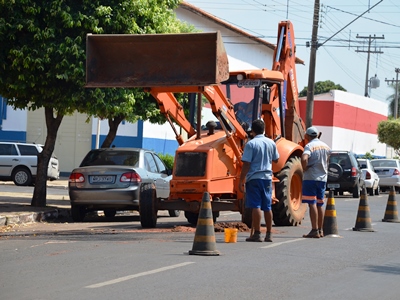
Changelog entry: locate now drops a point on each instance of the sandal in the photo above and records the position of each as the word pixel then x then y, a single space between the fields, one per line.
pixel 312 234
pixel 254 238
pixel 268 237
pixel 321 234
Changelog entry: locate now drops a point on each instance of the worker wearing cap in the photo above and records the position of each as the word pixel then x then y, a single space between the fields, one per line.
pixel 315 166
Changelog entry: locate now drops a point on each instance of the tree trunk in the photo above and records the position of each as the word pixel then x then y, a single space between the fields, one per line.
pixel 112 133
pixel 40 191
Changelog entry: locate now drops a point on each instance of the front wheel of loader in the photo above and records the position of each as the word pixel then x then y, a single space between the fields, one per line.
pixel 289 211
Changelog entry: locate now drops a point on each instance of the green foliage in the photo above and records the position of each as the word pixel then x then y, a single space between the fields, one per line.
pixel 369 154
pixel 43 59
pixel 168 160
pixel 389 132
pixel 323 87
pixel 43 52
pixel 391 100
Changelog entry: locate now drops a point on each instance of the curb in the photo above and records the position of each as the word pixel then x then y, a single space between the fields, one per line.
pixel 34 217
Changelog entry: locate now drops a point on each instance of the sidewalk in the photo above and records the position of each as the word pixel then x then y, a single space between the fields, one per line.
pixel 15 207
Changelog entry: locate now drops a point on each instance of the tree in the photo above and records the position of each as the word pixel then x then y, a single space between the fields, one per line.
pixel 323 87
pixel 389 132
pixel 391 100
pixel 43 54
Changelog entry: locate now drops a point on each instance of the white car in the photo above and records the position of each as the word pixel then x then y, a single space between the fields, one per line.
pixel 369 176
pixel 388 171
pixel 18 162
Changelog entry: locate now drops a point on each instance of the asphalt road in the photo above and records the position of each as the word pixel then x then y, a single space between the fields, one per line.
pixel 99 259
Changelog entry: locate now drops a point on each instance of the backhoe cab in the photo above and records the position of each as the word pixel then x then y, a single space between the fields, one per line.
pixel 209 159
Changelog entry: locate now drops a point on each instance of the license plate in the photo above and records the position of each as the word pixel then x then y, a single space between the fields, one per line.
pixel 102 179
pixel 333 185
pixel 247 83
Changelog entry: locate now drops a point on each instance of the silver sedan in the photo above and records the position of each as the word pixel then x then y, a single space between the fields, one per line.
pixel 112 179
pixel 388 171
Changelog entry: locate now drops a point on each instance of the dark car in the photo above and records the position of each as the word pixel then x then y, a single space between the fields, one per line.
pixel 112 179
pixel 344 173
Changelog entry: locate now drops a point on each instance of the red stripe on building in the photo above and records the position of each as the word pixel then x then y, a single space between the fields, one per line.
pixel 336 114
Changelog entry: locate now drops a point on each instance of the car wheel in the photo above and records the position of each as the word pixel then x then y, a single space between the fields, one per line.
pixel 356 190
pixel 377 191
pixel 174 213
pixel 78 213
pixel 147 206
pixel 370 191
pixel 110 213
pixel 22 176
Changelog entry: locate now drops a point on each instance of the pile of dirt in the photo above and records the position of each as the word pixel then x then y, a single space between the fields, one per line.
pixel 218 227
pixel 241 227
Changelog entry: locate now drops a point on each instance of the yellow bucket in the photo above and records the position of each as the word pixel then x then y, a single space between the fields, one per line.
pixel 230 235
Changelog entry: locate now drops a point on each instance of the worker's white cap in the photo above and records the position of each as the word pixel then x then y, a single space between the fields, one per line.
pixel 312 131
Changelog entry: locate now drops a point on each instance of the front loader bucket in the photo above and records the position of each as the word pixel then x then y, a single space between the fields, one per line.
pixel 146 60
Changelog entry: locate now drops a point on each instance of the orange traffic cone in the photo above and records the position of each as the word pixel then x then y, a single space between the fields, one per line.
pixel 204 240
pixel 391 208
pixel 363 222
pixel 330 224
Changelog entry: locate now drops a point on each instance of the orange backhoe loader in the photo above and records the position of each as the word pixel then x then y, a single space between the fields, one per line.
pixel 209 158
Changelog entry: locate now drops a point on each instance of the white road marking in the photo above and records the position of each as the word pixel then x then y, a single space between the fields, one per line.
pixel 125 278
pixel 281 243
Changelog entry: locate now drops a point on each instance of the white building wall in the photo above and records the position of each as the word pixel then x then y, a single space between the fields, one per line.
pixel 16 120
pixel 243 53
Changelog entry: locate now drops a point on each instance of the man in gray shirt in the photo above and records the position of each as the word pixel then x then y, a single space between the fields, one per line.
pixel 315 166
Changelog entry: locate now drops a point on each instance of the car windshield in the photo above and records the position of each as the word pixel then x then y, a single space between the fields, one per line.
pixel 363 165
pixel 340 158
pixel 120 158
pixel 384 163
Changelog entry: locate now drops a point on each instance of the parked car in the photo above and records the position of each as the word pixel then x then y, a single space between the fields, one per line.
pixel 388 171
pixel 18 163
pixel 112 179
pixel 369 176
pixel 344 173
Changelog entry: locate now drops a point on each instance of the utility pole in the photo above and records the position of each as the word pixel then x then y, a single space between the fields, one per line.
pixel 369 51
pixel 313 59
pixel 396 98
pixel 313 56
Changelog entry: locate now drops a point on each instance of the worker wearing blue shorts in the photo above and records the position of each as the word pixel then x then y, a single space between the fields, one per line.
pixel 315 174
pixel 256 175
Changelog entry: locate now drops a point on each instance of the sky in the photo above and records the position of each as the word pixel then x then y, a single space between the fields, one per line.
pixel 343 33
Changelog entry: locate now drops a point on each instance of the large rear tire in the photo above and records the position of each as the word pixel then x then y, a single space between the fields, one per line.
pixel 147 206
pixel 289 211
